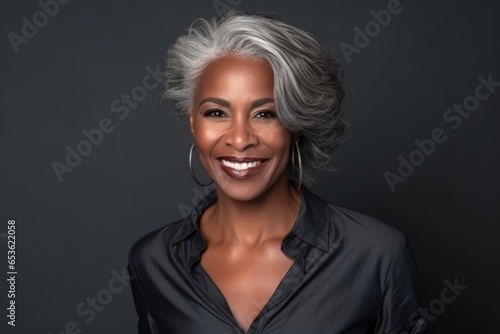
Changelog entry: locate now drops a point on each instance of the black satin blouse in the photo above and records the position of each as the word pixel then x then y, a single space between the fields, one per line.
pixel 352 274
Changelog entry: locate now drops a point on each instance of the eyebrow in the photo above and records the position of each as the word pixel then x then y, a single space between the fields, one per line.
pixel 225 103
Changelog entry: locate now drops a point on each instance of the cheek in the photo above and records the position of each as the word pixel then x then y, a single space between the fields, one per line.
pixel 205 136
pixel 278 139
pixel 276 132
pixel 278 127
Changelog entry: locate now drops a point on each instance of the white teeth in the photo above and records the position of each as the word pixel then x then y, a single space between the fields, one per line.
pixel 241 166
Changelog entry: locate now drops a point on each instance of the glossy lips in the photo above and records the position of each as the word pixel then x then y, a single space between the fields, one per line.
pixel 241 168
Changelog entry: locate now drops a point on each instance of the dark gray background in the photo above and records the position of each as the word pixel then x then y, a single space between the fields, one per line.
pixel 72 234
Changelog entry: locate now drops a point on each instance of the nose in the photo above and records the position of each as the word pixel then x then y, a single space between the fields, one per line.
pixel 240 135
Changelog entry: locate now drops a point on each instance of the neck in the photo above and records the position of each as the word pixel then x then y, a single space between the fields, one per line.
pixel 254 222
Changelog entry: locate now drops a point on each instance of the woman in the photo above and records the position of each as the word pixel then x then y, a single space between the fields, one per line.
pixel 261 253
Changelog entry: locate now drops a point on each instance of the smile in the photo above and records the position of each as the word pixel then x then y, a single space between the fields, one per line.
pixel 241 166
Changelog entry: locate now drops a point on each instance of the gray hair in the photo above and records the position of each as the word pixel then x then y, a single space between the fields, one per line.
pixel 307 80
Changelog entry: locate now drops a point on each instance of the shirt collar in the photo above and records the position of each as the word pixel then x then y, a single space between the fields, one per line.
pixel 311 225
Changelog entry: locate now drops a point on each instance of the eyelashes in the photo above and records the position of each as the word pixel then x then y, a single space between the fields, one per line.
pixel 218 113
pixel 214 113
pixel 266 114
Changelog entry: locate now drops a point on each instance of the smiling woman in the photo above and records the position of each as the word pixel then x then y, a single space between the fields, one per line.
pixel 262 253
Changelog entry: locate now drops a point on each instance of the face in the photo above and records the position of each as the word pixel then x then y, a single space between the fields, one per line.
pixel 241 143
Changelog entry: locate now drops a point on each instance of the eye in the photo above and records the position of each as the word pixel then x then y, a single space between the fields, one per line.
pixel 214 113
pixel 265 114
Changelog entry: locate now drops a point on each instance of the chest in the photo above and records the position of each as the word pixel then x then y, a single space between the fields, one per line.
pixel 246 278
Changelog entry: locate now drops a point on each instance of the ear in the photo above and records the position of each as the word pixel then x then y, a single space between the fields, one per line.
pixel 191 121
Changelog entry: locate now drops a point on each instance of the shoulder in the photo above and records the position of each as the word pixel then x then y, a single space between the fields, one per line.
pixel 348 224
pixel 361 239
pixel 337 225
pixel 157 241
pixel 366 236
pixel 362 227
pixel 165 245
pixel 349 231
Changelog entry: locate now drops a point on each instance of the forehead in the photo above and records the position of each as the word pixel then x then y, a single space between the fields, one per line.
pixel 237 61
pixel 236 75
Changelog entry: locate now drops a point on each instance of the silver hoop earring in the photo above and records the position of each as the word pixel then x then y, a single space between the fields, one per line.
pixel 298 183
pixel 192 170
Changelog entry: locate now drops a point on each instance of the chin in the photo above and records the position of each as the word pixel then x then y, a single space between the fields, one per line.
pixel 241 193
pixel 249 189
pixel 246 191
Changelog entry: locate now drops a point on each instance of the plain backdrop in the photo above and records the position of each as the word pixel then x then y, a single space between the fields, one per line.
pixel 74 71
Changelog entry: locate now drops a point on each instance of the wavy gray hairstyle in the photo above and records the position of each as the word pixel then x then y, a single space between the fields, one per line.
pixel 307 80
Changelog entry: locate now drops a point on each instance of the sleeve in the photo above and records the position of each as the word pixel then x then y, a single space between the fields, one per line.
pixel 146 324
pixel 399 311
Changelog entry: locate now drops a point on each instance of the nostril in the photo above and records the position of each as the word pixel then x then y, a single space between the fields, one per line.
pixel 240 136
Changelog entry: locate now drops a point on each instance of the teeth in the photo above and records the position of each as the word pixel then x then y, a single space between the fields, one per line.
pixel 241 166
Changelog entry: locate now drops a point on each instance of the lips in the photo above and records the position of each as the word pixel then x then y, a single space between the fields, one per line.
pixel 241 168
pixel 241 165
